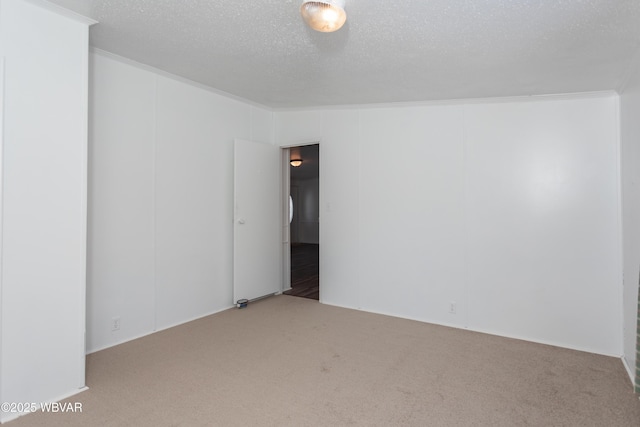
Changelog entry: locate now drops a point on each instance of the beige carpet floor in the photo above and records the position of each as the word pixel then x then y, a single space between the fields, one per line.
pixel 288 361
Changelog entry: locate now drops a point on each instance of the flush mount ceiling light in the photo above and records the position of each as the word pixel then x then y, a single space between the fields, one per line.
pixel 324 15
pixel 296 162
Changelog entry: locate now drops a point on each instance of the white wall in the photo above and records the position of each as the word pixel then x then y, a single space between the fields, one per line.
pixel 507 208
pixel 411 205
pixel 161 205
pixel 630 173
pixel 543 221
pixel 44 144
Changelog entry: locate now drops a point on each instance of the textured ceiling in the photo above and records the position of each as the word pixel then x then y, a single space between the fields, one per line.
pixel 388 51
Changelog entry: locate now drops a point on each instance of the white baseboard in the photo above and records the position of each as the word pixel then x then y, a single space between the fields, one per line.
pixel 630 371
pixel 172 325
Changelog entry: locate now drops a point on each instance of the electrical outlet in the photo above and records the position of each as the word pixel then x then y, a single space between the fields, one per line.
pixel 452 307
pixel 115 324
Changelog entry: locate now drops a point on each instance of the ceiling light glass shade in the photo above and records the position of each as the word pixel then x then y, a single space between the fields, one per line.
pixel 325 15
pixel 296 162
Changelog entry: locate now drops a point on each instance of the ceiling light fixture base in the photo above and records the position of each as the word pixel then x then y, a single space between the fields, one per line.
pixel 325 16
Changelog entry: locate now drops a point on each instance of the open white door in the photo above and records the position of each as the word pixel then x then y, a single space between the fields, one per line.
pixel 257 263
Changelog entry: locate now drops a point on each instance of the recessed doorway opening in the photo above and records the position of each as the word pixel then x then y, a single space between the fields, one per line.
pixel 304 227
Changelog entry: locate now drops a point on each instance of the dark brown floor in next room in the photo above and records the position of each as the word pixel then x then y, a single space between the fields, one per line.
pixel 305 271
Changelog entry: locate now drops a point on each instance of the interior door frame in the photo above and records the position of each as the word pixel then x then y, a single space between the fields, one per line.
pixel 286 229
pixel 285 181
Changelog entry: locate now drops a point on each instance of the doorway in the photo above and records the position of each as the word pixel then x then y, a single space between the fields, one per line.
pixel 304 229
